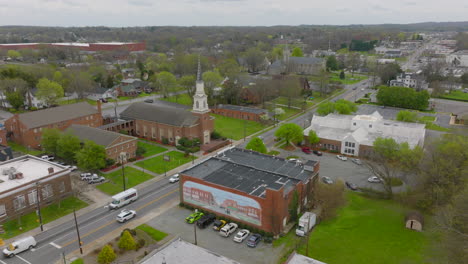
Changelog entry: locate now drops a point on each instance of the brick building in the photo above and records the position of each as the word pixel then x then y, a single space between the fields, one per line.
pixel 249 187
pixel 240 112
pixel 26 129
pixel 24 179
pixel 114 143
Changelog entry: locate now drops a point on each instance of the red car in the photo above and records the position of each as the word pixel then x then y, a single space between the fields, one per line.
pixel 306 150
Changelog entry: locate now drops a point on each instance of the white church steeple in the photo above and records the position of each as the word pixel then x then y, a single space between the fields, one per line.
pixel 200 100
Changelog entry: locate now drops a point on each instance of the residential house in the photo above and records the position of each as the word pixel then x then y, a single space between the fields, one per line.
pixel 410 80
pixel 131 87
pixel 459 58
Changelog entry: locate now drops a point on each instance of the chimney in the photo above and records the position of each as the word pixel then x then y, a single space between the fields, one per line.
pixel 51 170
pixel 99 107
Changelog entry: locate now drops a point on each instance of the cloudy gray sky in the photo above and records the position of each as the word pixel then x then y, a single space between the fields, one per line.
pixel 227 12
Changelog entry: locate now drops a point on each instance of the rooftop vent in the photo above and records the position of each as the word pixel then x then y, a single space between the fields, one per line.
pixel 51 170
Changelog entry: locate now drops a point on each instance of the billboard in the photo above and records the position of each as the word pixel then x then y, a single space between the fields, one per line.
pixel 231 204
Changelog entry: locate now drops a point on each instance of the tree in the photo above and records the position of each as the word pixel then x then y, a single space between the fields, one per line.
pixel 354 62
pixel 127 241
pixel 212 79
pixel 464 78
pixel 256 144
pixel 49 91
pixel 229 68
pixel 13 54
pixel 294 207
pixel 15 99
pixel 254 58
pixel 81 83
pixel 290 88
pixel 49 141
pixel 67 146
pixel 342 75
pixel 407 116
pixel 332 63
pixel 91 157
pixel 403 97
pixel 326 108
pixel 330 197
pixel 107 255
pixel 188 83
pixel 388 72
pixel 278 112
pixel 313 138
pixel 297 52
pixel 344 107
pixel 290 132
pixel 323 82
pixel 166 82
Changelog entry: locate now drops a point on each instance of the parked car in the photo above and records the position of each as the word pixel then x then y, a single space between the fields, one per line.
pixel 343 158
pixel 149 101
pixel 206 220
pixel 374 179
pixel 327 180
pixel 104 100
pixel 294 160
pixel 228 229
pixel 47 157
pixel 86 175
pixel 174 178
pixel 71 168
pixel 193 217
pixel 253 240
pixel 97 179
pixel 241 235
pixel 19 246
pixel 351 186
pixel 357 161
pixel 218 224
pixel 62 163
pixel 125 215
pixel 318 153
pixel 306 150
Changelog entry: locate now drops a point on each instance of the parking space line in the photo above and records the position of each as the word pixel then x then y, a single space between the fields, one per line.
pixel 23 259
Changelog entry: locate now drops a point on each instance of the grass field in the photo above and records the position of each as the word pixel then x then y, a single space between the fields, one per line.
pixel 49 213
pixel 456 95
pixel 367 231
pixel 158 165
pixel 234 128
pixel 133 177
pixel 348 78
pixel 180 99
pixel 151 149
pixel 20 148
pixel 152 232
pixel 432 126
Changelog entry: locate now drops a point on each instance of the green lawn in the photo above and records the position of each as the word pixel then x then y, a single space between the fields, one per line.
pixel 20 148
pixel 133 177
pixel 78 261
pixel 151 149
pixel 367 231
pixel 456 95
pixel 158 165
pixel 349 79
pixel 49 213
pixel 234 128
pixel 152 232
pixel 184 99
pixel 432 126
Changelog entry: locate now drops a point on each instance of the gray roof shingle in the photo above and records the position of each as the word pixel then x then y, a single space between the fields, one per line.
pixel 98 136
pixel 159 113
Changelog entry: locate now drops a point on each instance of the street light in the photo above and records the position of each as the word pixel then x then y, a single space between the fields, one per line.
pixel 78 232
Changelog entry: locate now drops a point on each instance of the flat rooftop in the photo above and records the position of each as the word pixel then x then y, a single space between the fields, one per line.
pixel 33 169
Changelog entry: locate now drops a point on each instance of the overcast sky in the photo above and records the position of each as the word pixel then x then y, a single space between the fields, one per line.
pixel 227 12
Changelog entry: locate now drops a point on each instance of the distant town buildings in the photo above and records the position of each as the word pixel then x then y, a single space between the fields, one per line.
pixel 99 46
pixel 458 59
pixel 410 80
pixel 298 65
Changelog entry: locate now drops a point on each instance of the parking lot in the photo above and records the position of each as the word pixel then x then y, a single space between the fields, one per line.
pixel 173 222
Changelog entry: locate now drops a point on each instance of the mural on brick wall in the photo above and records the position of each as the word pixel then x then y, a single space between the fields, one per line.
pixel 233 205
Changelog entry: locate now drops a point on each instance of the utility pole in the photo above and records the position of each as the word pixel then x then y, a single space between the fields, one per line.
pixel 245 127
pixel 195 233
pixel 39 206
pixel 64 260
pixel 77 232
pixel 122 158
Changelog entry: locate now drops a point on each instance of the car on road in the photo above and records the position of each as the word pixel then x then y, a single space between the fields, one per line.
pixel 97 179
pixel 47 157
pixel 228 229
pixel 318 153
pixel 125 215
pixel 327 180
pixel 149 101
pixel 19 246
pixel 218 224
pixel 306 150
pixel 193 217
pixel 241 235
pixel 351 186
pixel 357 161
pixel 206 220
pixel 174 178
pixel 253 240
pixel 354 88
pixel 343 158
pixel 374 179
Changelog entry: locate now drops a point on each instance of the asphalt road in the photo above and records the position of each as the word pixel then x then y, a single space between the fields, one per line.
pixel 92 225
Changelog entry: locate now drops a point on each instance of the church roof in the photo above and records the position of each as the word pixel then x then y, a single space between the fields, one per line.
pixel 159 113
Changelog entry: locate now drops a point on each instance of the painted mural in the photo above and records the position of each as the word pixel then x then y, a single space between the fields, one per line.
pixel 231 204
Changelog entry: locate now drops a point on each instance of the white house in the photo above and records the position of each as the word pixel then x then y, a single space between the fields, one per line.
pixel 409 80
pixel 355 135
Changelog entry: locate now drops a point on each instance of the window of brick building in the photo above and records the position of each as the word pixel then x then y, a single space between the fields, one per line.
pixel 2 210
pixel 32 197
pixel 62 187
pixel 19 202
pixel 47 191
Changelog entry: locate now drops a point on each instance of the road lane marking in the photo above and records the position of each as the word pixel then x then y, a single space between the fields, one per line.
pixel 111 222
pixel 2 262
pixel 55 245
pixel 23 259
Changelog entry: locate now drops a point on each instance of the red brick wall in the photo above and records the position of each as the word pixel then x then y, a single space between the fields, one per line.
pixel 122 144
pixel 237 114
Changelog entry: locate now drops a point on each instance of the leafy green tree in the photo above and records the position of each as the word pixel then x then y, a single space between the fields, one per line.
pixel 229 67
pixel 166 82
pixel 277 53
pixel 293 207
pixel 464 78
pixel 344 107
pixel 13 54
pixel 49 141
pixel 332 63
pixel 297 52
pixel 254 59
pixel 407 116
pixel 127 241
pixel 256 144
pixel 188 83
pixel 342 75
pixel 313 138
pixel 290 132
pixel 91 157
pixel 326 108
pixel 212 79
pixel 16 99
pixel 403 97
pixel 389 72
pixel 49 91
pixel 67 146
pixel 107 255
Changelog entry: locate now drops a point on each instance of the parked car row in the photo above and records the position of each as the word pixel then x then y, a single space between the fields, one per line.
pixel 92 178
pixel 224 228
pixel 51 158
pixel 307 150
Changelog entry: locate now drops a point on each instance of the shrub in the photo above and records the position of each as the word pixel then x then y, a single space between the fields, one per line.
pixel 132 159
pixel 131 231
pixel 107 255
pixel 215 135
pixel 110 162
pixel 127 241
pixel 33 108
pixel 165 141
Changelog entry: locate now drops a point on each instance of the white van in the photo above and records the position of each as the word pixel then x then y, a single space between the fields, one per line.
pixel 123 198
pixel 19 246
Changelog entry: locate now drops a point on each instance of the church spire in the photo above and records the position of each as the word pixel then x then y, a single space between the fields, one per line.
pixel 199 69
pixel 200 101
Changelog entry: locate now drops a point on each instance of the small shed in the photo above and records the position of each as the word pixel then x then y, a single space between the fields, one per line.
pixel 414 220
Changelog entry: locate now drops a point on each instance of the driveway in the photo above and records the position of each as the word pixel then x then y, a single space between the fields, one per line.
pixel 173 223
